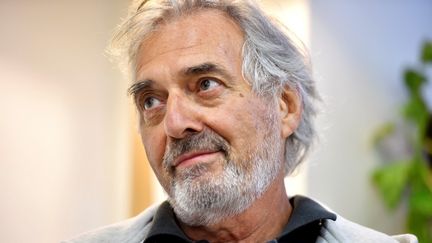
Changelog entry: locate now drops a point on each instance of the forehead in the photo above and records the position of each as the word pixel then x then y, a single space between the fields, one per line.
pixel 204 36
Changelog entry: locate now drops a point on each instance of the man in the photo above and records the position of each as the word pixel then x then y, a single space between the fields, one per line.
pixel 226 103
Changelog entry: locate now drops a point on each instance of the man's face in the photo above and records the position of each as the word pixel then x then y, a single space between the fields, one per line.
pixel 201 124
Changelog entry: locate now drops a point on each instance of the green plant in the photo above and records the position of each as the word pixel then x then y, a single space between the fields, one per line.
pixel 411 177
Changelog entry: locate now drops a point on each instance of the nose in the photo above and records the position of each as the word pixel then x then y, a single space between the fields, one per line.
pixel 181 117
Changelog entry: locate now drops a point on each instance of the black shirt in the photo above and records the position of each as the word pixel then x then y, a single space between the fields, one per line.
pixel 303 226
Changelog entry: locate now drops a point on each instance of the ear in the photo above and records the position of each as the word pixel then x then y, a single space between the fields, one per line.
pixel 290 108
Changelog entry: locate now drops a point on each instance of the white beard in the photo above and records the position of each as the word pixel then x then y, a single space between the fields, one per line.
pixel 199 198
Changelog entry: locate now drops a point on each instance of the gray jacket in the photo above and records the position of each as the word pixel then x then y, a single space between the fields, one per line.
pixel 135 229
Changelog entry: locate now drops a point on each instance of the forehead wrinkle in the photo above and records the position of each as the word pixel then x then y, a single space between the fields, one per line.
pixel 166 31
pixel 155 37
pixel 206 68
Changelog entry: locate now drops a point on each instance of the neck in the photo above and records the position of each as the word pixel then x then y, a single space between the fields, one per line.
pixel 264 220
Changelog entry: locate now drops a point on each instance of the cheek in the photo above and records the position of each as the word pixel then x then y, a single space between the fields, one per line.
pixel 240 124
pixel 154 144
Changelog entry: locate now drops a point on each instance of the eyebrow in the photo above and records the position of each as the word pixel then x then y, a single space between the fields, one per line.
pixel 135 88
pixel 200 69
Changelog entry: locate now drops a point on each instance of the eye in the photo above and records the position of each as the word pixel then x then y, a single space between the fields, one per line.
pixel 151 102
pixel 207 84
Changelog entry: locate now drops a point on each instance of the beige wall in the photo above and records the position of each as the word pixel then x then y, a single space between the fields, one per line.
pixel 63 120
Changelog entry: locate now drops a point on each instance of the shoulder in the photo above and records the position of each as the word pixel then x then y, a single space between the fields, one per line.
pixel 131 230
pixel 343 230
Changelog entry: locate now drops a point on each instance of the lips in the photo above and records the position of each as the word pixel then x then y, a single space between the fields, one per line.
pixel 193 157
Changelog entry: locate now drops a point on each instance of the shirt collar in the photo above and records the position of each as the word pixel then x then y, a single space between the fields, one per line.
pixel 164 223
pixel 305 211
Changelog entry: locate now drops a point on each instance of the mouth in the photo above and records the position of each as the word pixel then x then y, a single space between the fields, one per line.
pixel 194 157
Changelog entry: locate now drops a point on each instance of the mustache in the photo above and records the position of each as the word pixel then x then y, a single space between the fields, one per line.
pixel 205 140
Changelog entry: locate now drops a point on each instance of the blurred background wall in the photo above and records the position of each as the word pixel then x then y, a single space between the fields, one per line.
pixel 69 160
pixel 63 120
pixel 359 50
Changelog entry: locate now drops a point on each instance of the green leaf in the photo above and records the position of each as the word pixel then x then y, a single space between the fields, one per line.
pixel 421 199
pixel 391 181
pixel 420 226
pixel 426 55
pixel 416 110
pixel 413 80
pixel 421 176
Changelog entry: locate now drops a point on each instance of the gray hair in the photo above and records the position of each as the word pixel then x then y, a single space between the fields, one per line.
pixel 271 60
